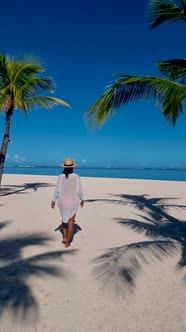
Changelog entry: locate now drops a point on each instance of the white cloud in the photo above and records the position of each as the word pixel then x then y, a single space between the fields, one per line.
pixel 84 161
pixel 18 158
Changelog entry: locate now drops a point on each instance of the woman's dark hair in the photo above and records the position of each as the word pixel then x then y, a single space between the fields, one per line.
pixel 67 171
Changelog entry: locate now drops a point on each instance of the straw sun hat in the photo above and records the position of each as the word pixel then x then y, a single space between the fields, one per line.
pixel 68 163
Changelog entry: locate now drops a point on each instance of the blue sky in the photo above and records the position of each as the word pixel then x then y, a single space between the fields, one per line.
pixel 82 43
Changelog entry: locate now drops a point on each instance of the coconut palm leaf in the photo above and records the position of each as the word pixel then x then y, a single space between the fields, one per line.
pixel 43 102
pixel 174 69
pixel 169 95
pixel 4 77
pixel 37 85
pixel 160 11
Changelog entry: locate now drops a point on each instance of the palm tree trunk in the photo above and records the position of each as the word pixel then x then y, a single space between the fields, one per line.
pixel 4 145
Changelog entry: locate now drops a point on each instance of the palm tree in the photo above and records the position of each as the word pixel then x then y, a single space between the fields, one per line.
pixel 160 11
pixel 168 89
pixel 23 88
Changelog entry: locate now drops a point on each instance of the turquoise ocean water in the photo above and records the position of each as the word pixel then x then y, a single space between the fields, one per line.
pixel 150 174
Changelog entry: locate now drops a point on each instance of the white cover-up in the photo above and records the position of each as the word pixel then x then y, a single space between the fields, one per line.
pixel 68 195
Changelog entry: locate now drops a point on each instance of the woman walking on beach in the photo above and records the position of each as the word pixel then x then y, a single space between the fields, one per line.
pixel 69 195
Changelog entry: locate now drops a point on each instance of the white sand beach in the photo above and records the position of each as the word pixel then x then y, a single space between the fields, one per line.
pixel 124 271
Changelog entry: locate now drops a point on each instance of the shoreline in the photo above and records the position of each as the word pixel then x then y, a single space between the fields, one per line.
pixel 107 173
pixel 92 177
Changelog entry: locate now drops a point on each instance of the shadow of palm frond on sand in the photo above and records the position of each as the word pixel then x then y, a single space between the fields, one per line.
pixel 3 224
pixel 16 293
pixel 120 266
pixel 7 190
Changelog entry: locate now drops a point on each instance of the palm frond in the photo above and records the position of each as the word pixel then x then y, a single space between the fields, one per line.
pixel 43 102
pixel 3 99
pixel 171 98
pixel 169 95
pixel 160 11
pixel 26 70
pixel 174 69
pixel 4 77
pixel 126 89
pixel 34 87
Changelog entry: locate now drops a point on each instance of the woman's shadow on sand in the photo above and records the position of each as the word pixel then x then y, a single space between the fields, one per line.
pixel 77 229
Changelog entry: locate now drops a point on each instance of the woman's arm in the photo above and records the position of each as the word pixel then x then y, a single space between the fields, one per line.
pixel 56 193
pixel 81 193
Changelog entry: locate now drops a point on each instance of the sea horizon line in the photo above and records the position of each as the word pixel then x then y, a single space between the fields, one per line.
pixel 101 167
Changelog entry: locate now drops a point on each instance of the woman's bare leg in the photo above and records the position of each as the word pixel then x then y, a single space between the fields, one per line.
pixel 64 231
pixel 70 231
